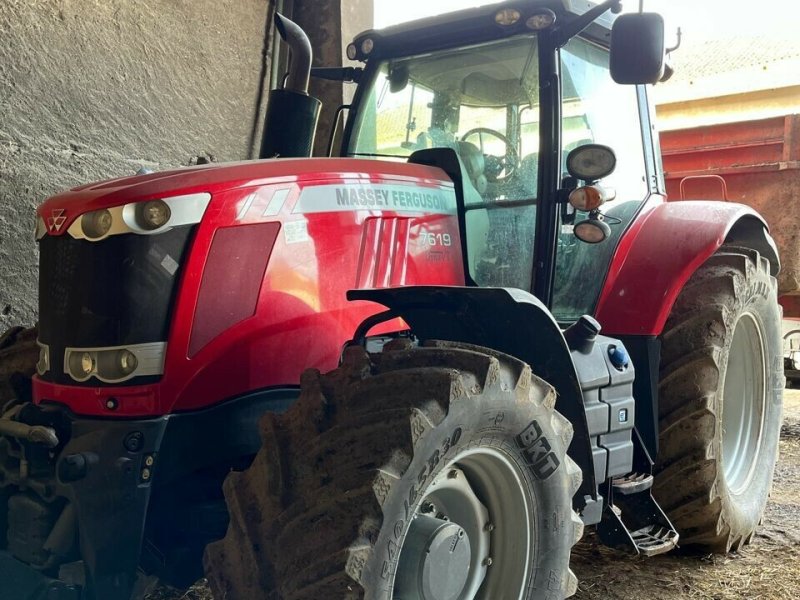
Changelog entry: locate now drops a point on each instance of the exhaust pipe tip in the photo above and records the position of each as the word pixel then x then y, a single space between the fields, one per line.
pixel 300 45
pixel 280 26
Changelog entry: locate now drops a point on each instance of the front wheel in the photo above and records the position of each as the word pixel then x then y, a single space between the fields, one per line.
pixel 720 398
pixel 432 473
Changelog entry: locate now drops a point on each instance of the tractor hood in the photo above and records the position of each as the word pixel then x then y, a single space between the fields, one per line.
pixel 58 212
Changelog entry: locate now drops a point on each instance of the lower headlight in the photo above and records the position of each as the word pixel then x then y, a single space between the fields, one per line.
pixel 126 362
pixel 81 365
pixel 43 365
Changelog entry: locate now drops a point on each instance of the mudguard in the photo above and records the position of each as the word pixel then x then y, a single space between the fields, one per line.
pixel 510 321
pixel 662 250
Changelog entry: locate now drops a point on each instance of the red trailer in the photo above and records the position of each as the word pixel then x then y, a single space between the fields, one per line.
pixel 756 163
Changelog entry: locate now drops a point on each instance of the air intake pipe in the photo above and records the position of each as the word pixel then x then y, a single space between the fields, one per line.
pixel 292 115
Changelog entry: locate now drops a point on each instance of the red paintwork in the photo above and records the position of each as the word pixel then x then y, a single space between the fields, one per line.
pixel 657 256
pixel 302 317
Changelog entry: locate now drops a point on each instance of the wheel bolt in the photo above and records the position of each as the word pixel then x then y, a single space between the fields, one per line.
pixel 487 562
pixel 427 507
pixel 488 527
pixel 453 474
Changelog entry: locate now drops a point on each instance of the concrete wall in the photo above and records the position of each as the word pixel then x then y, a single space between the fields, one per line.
pixel 92 89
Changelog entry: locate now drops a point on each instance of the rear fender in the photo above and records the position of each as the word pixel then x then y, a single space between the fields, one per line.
pixel 662 250
pixel 507 320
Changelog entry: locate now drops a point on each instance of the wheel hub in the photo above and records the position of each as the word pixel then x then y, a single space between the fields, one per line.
pixel 436 559
pixel 744 404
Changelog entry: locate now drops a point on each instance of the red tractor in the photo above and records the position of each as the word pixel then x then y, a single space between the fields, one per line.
pixel 477 421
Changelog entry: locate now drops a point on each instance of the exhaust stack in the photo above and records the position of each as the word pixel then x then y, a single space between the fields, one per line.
pixel 292 115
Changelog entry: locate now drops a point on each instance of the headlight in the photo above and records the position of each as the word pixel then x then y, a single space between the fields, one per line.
pixel 541 20
pixel 126 361
pixel 153 214
pixel 591 162
pixel 367 45
pixel 80 365
pixel 115 364
pixel 144 218
pixel 43 365
pixel 507 16
pixel 592 230
pixel 96 224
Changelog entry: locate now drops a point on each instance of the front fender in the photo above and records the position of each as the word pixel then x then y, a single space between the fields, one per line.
pixel 508 320
pixel 662 250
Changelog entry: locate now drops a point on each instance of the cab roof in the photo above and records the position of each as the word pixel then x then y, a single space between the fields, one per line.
pixel 472 26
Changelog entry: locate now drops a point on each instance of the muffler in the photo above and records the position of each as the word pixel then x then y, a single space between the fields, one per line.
pixel 292 115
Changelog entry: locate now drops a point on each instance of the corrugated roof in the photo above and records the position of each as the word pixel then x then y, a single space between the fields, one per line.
pixel 708 68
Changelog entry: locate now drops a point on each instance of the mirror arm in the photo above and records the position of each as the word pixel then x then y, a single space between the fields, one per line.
pixel 350 74
pixel 573 28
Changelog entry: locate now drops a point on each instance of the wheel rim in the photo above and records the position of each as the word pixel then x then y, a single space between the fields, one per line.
pixel 480 493
pixel 744 403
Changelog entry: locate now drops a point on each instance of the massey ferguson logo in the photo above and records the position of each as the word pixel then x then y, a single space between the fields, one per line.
pixel 56 220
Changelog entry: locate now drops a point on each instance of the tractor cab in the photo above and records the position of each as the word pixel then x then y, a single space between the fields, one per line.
pixel 512 91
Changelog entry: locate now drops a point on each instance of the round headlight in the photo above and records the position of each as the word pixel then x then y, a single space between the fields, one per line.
pixel 154 214
pixel 592 231
pixel 352 51
pixel 81 364
pixel 541 20
pixel 591 162
pixel 96 224
pixel 126 362
pixel 367 45
pixel 507 16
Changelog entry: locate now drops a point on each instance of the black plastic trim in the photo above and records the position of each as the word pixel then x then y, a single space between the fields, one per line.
pixel 645 353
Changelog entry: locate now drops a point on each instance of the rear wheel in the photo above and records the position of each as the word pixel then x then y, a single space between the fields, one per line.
pixel 433 473
pixel 720 400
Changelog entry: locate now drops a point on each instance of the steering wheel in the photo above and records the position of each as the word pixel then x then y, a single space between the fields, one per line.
pixel 498 169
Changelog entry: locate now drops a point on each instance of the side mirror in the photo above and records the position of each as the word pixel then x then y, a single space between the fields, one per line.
pixel 637 48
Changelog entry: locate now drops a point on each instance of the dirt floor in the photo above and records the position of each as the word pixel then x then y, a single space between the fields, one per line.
pixel 768 569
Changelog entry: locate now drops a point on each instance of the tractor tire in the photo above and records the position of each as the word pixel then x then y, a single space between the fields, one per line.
pixel 720 395
pixel 435 472
pixel 19 354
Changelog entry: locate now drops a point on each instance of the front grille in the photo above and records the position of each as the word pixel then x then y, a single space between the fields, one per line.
pixel 115 292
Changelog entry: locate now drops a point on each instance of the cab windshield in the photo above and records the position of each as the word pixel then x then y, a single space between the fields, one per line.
pixel 483 102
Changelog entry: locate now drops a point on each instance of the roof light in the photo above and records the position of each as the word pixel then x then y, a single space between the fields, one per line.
pixel 507 16
pixel 541 20
pixel 367 45
pixel 352 51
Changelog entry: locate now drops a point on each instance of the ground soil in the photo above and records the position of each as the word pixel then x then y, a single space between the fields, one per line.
pixel 767 569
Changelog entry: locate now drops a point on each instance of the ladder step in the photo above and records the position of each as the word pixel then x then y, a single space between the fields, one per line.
pixel 654 539
pixel 632 483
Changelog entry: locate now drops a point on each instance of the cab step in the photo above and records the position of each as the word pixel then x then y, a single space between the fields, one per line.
pixel 632 483
pixel 654 540
pixel 634 521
